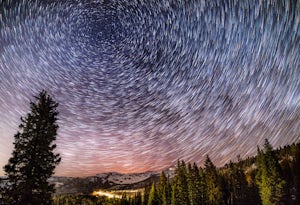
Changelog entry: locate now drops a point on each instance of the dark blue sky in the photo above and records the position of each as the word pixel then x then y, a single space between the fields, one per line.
pixel 144 83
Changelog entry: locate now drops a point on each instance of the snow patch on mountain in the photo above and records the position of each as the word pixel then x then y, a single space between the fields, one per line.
pixel 118 178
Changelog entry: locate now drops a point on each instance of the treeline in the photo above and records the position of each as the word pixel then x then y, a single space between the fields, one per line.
pixel 271 177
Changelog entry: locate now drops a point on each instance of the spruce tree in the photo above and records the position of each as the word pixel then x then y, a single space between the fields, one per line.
pixel 194 185
pixel 269 177
pixel 33 159
pixel 146 194
pixel 295 171
pixel 164 190
pixel 237 184
pixel 202 187
pixel 180 187
pixel 213 188
pixel 153 196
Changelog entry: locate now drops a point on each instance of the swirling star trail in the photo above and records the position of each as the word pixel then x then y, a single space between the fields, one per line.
pixel 142 83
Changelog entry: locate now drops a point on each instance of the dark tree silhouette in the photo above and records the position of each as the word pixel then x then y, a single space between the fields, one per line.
pixel 33 159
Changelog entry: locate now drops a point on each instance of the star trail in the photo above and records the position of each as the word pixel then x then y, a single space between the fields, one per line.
pixel 142 84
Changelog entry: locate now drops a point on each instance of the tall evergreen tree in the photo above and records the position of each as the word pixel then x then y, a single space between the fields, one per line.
pixel 269 177
pixel 194 185
pixel 146 194
pixel 33 159
pixel 213 188
pixel 180 186
pixel 153 196
pixel 164 190
pixel 202 187
pixel 296 173
pixel 236 185
pixel 286 166
pixel 168 191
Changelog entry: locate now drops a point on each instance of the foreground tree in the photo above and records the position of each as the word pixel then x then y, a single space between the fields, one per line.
pixel 269 177
pixel 33 159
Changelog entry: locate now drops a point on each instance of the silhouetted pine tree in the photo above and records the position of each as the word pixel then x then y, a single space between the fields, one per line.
pixel 33 159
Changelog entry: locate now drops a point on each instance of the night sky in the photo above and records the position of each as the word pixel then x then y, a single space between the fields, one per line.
pixel 143 83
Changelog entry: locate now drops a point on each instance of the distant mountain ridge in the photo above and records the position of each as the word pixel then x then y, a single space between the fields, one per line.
pixel 109 181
